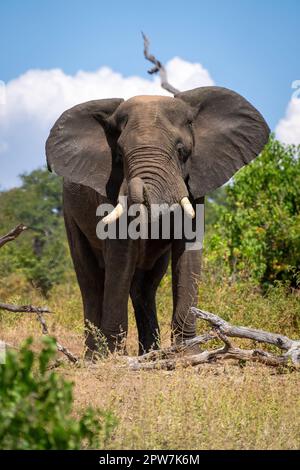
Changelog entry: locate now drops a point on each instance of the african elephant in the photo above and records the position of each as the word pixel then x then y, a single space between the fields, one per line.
pixel 155 149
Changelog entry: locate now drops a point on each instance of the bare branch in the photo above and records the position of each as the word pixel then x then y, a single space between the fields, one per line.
pixel 185 348
pixel 215 355
pixel 43 323
pixel 59 346
pixel 158 68
pixel 13 234
pixel 170 364
pixel 225 340
pixel 39 312
pixel 170 358
pixel 72 358
pixel 282 342
pixel 24 308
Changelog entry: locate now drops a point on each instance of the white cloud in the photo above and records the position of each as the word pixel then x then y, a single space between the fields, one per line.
pixel 186 76
pixel 288 128
pixel 34 101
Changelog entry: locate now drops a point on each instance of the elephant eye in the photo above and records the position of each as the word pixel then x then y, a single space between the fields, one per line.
pixel 122 121
pixel 182 151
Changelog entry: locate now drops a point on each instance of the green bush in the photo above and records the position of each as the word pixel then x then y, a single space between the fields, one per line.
pixel 36 406
pixel 41 254
pixel 257 235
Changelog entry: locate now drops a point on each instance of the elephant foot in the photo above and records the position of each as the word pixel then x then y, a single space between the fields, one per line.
pixel 95 350
pixel 149 346
pixel 179 338
pixel 188 350
pixel 91 356
pixel 115 343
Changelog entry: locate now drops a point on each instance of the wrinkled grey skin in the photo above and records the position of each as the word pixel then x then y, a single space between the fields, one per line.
pixel 155 150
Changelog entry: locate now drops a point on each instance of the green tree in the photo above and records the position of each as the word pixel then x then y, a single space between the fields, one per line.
pixel 212 202
pixel 41 254
pixel 257 235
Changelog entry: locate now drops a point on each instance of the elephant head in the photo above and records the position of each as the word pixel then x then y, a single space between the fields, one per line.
pixel 157 149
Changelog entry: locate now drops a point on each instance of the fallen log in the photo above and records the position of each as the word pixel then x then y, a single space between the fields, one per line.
pixel 292 347
pixel 170 358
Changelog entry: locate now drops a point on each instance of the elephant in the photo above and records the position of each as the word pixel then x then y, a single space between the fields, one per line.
pixel 155 150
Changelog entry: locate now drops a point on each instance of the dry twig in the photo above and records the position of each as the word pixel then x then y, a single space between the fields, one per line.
pixel 158 68
pixel 39 311
pixel 24 308
pixel 71 357
pixel 13 234
pixel 10 236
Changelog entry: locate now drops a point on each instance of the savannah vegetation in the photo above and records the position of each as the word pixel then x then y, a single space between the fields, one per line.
pixel 250 277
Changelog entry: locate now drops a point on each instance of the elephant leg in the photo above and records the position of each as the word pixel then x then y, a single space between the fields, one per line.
pixel 186 268
pixel 90 279
pixel 120 261
pixel 142 292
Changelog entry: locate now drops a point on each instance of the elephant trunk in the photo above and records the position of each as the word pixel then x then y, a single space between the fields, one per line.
pixel 136 190
pixel 141 193
pixel 153 180
pixel 154 177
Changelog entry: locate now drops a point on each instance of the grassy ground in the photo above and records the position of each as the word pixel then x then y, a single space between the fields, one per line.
pixel 226 406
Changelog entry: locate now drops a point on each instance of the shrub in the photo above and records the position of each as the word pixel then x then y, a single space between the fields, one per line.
pixel 257 235
pixel 41 254
pixel 36 406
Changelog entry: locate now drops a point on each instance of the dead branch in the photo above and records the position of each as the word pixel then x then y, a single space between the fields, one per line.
pixel 186 347
pixel 71 357
pixel 39 311
pixel 13 234
pixel 158 68
pixel 292 347
pixel 208 357
pixel 178 355
pixel 24 308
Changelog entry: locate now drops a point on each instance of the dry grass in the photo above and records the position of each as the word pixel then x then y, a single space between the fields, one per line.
pixel 213 407
pixel 217 407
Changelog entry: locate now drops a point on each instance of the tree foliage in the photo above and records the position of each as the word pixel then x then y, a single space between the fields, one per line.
pixel 41 254
pixel 36 406
pixel 258 230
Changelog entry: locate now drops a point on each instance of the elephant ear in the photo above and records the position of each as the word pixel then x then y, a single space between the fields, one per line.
pixel 81 148
pixel 228 131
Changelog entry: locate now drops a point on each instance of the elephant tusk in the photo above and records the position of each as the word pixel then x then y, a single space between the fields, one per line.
pixel 187 207
pixel 114 215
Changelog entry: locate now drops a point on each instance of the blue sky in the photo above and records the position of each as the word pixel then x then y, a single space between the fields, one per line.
pixel 250 46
